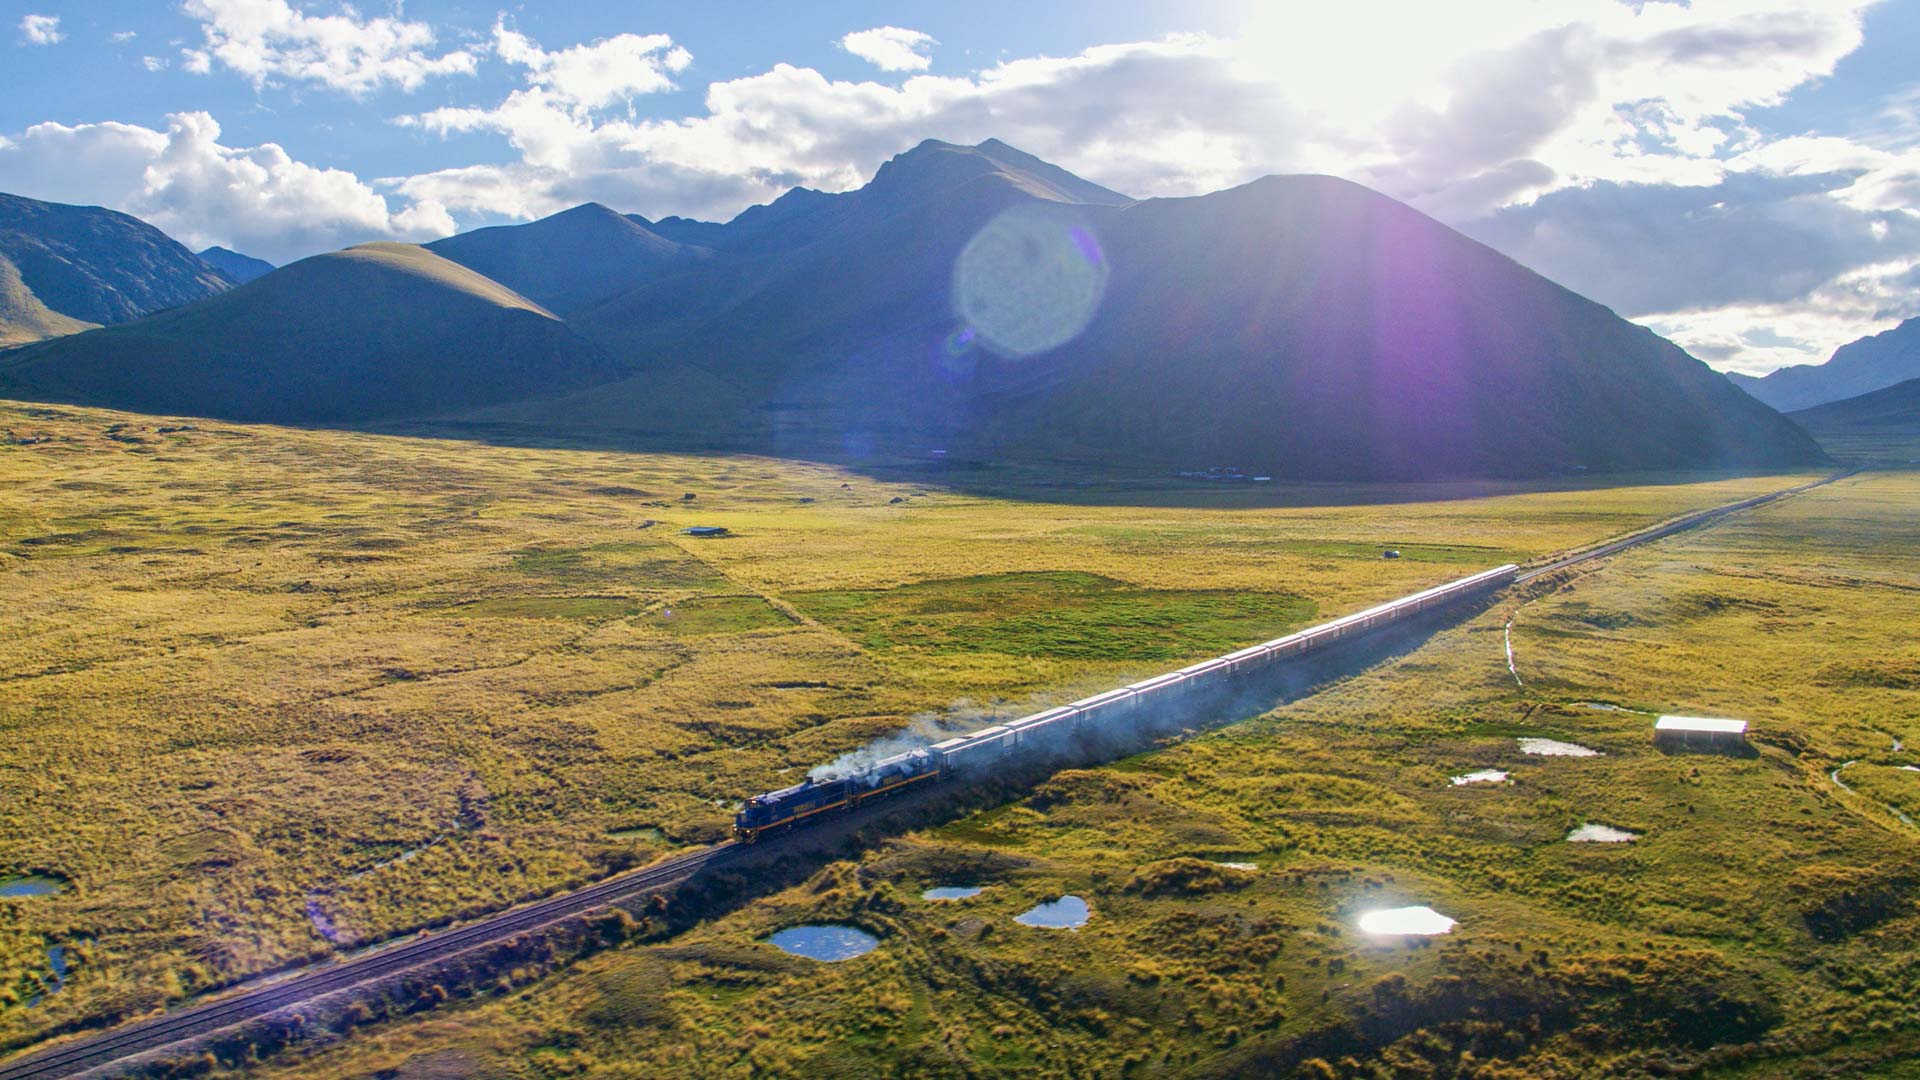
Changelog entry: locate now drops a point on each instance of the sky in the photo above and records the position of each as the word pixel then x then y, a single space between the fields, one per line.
pixel 1743 176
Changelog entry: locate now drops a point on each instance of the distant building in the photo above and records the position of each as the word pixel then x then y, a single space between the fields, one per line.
pixel 1699 732
pixel 707 530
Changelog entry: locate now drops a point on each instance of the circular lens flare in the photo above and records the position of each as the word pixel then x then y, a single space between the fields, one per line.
pixel 1029 281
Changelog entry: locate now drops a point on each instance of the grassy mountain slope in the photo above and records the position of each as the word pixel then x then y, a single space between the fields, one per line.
pixel 378 330
pixel 98 265
pixel 241 268
pixel 1301 326
pixel 1884 423
pixel 23 318
pixel 1858 367
pixel 569 260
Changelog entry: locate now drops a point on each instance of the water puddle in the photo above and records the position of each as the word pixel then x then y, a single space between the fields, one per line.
pixel 1066 913
pixel 1239 865
pixel 1555 748
pixel 828 942
pixel 1418 921
pixel 57 961
pixel 31 885
pixel 1484 776
pixel 951 892
pixel 1600 834
pixel 1601 706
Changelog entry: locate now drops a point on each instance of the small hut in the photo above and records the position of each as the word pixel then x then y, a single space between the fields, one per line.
pixel 1699 733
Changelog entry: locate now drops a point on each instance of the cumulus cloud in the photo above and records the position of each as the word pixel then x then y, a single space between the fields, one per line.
pixel 41 30
pixel 254 199
pixel 121 37
pixel 891 48
pixel 265 40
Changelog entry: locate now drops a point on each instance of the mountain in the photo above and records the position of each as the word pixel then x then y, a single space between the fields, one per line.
pixel 1856 368
pixel 100 266
pixel 23 317
pixel 976 300
pixel 803 215
pixel 570 260
pixel 379 330
pixel 241 268
pixel 972 299
pixel 1883 423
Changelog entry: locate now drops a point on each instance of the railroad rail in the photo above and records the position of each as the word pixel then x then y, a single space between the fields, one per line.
pixel 142 1036
pixel 157 1032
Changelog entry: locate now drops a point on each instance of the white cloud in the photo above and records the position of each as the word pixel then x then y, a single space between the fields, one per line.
pixel 153 63
pixel 41 30
pixel 587 77
pixel 265 40
pixel 891 48
pixel 121 37
pixel 254 199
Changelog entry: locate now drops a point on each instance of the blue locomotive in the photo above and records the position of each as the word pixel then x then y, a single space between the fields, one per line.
pixel 804 802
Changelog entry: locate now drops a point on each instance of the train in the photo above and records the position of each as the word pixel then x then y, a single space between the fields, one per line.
pixel 791 807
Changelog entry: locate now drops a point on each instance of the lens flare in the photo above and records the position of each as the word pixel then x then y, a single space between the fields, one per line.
pixel 1029 281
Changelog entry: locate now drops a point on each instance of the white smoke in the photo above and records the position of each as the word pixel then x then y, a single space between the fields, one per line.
pixel 922 731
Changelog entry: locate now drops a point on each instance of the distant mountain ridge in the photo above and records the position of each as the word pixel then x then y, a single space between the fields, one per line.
pixel 1856 368
pixel 974 300
pixel 241 268
pixel 100 266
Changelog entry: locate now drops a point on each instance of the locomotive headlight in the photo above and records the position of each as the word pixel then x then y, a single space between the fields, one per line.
pixel 1030 280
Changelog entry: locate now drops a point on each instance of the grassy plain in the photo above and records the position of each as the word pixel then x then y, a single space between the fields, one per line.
pixel 267 693
pixel 1763 924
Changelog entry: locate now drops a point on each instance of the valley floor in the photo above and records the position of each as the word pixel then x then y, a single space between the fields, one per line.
pixel 267 693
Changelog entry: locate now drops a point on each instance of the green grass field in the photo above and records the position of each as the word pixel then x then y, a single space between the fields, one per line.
pixel 271 692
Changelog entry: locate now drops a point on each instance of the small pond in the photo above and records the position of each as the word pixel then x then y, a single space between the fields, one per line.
pixel 951 892
pixel 1239 865
pixel 1484 776
pixel 827 942
pixel 31 885
pixel 1419 921
pixel 1555 748
pixel 1066 913
pixel 1600 834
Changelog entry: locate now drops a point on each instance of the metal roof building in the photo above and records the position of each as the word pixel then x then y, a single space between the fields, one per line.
pixel 1699 731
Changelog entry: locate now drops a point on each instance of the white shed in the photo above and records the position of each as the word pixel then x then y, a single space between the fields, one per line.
pixel 1699 731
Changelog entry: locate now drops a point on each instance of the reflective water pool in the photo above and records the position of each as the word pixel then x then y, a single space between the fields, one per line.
pixel 1418 921
pixel 1066 913
pixel 827 942
pixel 31 885
pixel 951 892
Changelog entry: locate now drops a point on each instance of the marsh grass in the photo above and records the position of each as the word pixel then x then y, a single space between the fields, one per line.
pixel 244 667
pixel 1763 924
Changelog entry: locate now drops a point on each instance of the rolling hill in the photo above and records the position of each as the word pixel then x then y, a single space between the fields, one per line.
pixel 570 260
pixel 1881 424
pixel 1858 367
pixel 100 266
pixel 375 331
pixel 241 268
pixel 1302 326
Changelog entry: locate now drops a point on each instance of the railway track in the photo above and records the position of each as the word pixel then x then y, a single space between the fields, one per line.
pixel 1681 524
pixel 172 1027
pixel 157 1032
